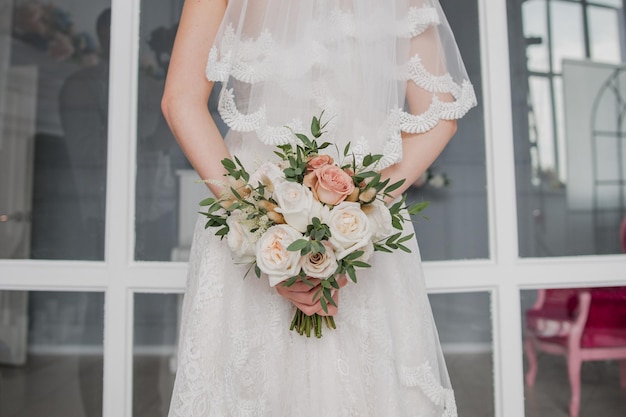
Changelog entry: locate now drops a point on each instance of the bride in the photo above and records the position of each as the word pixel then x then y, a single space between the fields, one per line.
pixel 390 80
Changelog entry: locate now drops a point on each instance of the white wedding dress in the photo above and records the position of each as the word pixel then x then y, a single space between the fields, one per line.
pixel 282 62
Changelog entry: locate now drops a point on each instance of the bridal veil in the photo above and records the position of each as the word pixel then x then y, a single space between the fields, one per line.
pixel 283 61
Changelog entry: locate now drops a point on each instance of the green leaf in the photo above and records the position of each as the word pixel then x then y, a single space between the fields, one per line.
pixel 306 281
pixel 406 238
pixel 418 207
pixel 317 247
pixel 324 305
pixel 298 245
pixel 346 149
pixel 360 264
pixel 257 270
pixel 304 139
pixel 394 186
pixel 404 248
pixel 324 145
pixel 381 248
pixel 329 297
pixel 393 238
pixel 208 201
pixel 354 255
pixel 290 281
pixel 228 164
pixel 351 274
pixel 315 127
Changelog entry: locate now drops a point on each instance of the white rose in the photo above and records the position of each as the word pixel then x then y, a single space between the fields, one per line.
pixel 318 210
pixel 349 228
pixel 269 175
pixel 320 265
pixel 294 203
pixel 241 242
pixel 272 256
pixel 380 220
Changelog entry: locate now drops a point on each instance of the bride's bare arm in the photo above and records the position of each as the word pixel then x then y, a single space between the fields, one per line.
pixel 420 150
pixel 187 90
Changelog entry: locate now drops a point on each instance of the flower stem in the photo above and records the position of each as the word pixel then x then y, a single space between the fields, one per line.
pixel 305 325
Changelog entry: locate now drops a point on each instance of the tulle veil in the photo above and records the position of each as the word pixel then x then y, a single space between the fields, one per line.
pixel 283 61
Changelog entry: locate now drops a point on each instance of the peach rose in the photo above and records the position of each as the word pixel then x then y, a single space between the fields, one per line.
pixel 330 184
pixel 319 161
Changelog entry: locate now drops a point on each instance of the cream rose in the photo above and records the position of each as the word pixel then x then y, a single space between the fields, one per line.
pixel 241 242
pixel 320 265
pixel 294 203
pixel 269 175
pixel 380 220
pixel 272 256
pixel 330 184
pixel 349 227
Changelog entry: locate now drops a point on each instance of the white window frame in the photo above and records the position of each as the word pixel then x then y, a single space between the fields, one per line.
pixel 504 275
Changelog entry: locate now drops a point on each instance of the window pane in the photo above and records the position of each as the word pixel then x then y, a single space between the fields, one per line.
pixel 550 319
pixel 51 354
pixel 568 136
pixel 168 192
pixel 567 32
pixel 536 34
pixel 53 129
pixel 463 322
pixel 605 34
pixel 541 118
pixel 613 3
pixel 154 352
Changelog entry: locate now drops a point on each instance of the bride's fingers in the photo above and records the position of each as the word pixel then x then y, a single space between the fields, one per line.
pixel 342 281
pixel 302 297
pixel 300 286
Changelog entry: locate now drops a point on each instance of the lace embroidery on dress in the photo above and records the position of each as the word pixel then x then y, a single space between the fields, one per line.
pixel 424 378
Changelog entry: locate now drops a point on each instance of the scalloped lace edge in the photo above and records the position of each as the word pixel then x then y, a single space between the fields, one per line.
pixel 424 378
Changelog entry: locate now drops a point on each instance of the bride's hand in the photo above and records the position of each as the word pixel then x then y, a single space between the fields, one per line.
pixel 301 295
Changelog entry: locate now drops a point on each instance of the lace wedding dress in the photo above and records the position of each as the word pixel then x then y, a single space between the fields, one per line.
pixel 377 69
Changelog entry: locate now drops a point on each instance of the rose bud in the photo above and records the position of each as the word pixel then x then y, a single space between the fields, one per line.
pixel 354 197
pixel 276 217
pixel 368 208
pixel 266 205
pixel 368 195
pixel 226 204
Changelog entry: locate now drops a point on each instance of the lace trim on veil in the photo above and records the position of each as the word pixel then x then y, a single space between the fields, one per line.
pixel 424 378
pixel 260 59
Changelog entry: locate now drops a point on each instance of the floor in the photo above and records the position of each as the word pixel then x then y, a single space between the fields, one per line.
pixel 62 386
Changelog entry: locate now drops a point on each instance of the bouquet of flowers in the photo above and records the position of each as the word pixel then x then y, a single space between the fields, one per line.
pixel 308 216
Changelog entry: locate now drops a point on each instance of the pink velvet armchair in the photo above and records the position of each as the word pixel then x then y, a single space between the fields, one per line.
pixel 581 324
